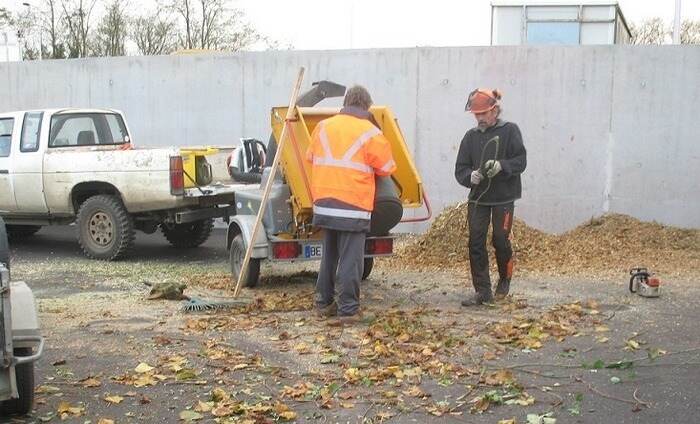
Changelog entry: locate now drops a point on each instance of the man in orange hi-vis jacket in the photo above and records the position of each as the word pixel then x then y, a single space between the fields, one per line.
pixel 346 152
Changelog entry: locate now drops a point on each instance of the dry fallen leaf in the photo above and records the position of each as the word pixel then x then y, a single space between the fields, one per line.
pixel 143 368
pixel 204 406
pixel 220 395
pixel 116 399
pixel 188 415
pixel 66 410
pixel 222 410
pixel 283 411
pixel 91 382
pixel 45 389
pixel 352 375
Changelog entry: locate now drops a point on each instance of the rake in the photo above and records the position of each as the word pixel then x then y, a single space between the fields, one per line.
pixel 196 304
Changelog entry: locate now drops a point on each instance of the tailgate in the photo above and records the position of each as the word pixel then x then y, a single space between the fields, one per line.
pixel 219 189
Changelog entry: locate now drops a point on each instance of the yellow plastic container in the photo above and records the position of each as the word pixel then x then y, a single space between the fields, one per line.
pixel 189 162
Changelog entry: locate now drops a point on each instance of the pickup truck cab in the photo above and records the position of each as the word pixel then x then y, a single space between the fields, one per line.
pixel 60 166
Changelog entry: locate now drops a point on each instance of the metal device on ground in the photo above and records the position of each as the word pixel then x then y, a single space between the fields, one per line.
pixel 287 219
pixel 196 304
pixel 20 342
pixel 643 284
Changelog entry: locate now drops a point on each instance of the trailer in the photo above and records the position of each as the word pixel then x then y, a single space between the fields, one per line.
pixel 289 235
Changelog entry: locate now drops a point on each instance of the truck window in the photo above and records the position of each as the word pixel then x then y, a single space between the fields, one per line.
pixel 87 129
pixel 31 127
pixel 6 125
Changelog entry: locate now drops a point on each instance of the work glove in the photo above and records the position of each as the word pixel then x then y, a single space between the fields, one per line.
pixel 476 177
pixel 493 167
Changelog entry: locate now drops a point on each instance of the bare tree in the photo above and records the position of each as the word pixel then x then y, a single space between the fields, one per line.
pixel 25 28
pixel 650 31
pixel 154 34
pixel 214 25
pixel 690 32
pixel 5 17
pixel 185 10
pixel 51 25
pixel 112 31
pixel 241 34
pixel 77 15
pixel 212 14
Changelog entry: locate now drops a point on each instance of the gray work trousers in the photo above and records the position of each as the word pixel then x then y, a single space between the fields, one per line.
pixel 341 270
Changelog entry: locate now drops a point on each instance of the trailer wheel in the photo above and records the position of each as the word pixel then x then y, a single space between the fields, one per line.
pixel 189 235
pixel 105 228
pixel 369 264
pixel 25 387
pixel 19 232
pixel 236 256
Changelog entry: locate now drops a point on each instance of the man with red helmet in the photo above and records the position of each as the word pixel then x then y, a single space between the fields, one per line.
pixel 490 160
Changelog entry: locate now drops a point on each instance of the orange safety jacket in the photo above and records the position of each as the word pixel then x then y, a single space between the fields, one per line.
pixel 345 153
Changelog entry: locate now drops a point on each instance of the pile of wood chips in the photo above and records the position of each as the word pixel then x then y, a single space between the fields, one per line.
pixel 603 247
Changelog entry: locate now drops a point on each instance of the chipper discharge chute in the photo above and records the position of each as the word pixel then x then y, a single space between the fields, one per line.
pixel 289 234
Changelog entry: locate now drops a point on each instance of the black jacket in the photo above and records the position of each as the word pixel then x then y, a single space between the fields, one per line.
pixel 474 152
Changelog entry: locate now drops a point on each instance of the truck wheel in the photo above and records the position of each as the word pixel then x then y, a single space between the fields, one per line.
pixel 369 264
pixel 237 254
pixel 25 387
pixel 19 232
pixel 188 235
pixel 105 228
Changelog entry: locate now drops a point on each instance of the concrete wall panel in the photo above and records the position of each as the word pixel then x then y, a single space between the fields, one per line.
pixel 607 128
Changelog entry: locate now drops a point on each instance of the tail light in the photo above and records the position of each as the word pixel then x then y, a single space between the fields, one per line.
pixel 177 179
pixel 382 246
pixel 285 250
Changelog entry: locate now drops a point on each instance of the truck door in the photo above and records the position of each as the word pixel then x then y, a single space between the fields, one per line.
pixel 7 192
pixel 28 165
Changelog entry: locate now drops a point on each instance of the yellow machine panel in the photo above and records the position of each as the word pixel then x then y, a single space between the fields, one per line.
pixel 296 170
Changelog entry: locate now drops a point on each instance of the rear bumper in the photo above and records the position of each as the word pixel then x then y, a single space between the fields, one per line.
pixel 308 249
pixel 35 342
pixel 224 212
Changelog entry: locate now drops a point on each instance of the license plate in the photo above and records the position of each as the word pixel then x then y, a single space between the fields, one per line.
pixel 313 250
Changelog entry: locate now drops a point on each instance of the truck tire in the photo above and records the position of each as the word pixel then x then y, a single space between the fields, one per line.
pixel 4 246
pixel 19 232
pixel 25 387
pixel 105 228
pixel 236 256
pixel 188 235
pixel 369 264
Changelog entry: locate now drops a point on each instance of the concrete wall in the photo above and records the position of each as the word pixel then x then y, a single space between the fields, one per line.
pixel 607 128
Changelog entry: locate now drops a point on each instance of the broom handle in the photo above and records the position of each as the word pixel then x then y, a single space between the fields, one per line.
pixel 268 184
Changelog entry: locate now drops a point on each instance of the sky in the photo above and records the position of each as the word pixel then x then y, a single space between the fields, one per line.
pixel 334 24
pixel 337 24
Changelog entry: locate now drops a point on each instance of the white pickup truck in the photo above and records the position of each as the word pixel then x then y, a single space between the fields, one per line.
pixel 59 166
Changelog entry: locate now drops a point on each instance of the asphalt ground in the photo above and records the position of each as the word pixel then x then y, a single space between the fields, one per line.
pixel 99 326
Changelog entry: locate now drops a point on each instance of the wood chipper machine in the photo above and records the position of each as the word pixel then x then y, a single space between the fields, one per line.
pixel 288 233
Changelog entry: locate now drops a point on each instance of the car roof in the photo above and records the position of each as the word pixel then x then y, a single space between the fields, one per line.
pixel 59 111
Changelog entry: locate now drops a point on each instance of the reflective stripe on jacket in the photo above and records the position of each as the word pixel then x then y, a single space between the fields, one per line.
pixel 345 153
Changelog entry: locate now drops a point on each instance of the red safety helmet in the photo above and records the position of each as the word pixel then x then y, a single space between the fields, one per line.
pixel 482 100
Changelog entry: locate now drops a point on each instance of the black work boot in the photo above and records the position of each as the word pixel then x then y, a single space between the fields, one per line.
pixel 479 298
pixel 502 288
